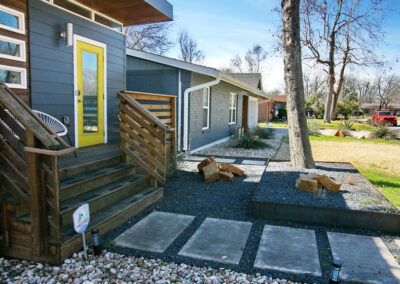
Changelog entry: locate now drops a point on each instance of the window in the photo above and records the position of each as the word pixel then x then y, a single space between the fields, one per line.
pixel 232 108
pixel 206 108
pixel 74 8
pixel 12 20
pixel 108 22
pixel 13 77
pixel 11 48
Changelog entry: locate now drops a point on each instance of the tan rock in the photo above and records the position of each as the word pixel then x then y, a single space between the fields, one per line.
pixel 211 172
pixel 228 176
pixel 328 183
pixel 307 185
pixel 230 168
pixel 204 163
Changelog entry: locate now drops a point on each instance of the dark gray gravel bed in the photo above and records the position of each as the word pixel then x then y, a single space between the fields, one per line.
pixel 357 193
pixel 187 193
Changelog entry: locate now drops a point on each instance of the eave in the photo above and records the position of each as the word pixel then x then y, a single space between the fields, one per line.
pixel 132 12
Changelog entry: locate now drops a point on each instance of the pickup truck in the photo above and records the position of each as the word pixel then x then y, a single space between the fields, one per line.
pixel 384 117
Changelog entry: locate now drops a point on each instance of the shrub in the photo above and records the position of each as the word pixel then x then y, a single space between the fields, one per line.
pixel 248 142
pixel 265 133
pixel 384 132
pixel 346 125
pixel 312 126
pixel 282 113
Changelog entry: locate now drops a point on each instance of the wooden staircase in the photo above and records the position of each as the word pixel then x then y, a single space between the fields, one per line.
pixel 42 183
pixel 112 188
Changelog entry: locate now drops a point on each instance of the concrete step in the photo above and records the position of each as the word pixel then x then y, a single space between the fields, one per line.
pixel 110 217
pixel 103 196
pixel 85 182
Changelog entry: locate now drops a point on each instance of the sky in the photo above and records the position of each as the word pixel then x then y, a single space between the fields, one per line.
pixel 224 28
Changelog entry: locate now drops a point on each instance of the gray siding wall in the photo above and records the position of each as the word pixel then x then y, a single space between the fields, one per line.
pixel 150 77
pixel 52 69
pixel 219 112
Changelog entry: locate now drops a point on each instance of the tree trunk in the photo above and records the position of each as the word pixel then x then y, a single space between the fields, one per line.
pixel 333 106
pixel 300 149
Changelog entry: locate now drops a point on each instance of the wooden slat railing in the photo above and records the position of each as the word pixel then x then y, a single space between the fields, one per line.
pixel 143 138
pixel 28 172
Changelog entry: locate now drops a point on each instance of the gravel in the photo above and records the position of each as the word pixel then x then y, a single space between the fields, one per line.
pixel 117 268
pixel 227 149
pixel 357 193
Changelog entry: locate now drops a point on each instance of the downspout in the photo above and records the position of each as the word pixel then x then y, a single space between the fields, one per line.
pixel 186 108
pixel 179 130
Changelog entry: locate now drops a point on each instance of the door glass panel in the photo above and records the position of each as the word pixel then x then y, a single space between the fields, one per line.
pixel 9 48
pixel 90 92
pixel 9 20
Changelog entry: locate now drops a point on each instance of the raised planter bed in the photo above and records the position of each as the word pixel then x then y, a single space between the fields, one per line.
pixel 359 204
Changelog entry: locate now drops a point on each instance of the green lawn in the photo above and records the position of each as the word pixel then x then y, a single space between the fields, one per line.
pixel 273 124
pixel 336 124
pixel 377 160
pixel 333 125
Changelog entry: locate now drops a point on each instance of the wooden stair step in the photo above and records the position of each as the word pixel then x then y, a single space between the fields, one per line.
pixel 103 196
pixel 68 172
pixel 110 217
pixel 85 182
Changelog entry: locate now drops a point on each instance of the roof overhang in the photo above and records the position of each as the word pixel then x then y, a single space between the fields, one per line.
pixel 204 70
pixel 132 12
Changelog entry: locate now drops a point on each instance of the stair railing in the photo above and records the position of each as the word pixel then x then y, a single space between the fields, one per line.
pixel 29 150
pixel 143 138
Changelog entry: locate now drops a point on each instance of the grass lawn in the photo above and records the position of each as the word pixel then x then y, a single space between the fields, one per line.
pixel 273 124
pixel 335 125
pixel 377 160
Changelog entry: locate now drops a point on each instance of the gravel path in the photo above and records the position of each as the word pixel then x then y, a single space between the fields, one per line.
pixel 357 193
pixel 227 149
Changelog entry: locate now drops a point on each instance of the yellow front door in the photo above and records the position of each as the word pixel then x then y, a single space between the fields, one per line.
pixel 90 99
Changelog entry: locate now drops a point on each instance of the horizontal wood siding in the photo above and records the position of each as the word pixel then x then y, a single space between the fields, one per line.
pixel 21 6
pixel 52 65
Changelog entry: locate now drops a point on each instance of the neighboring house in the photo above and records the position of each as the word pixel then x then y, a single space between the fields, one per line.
pixel 268 109
pixel 250 104
pixel 210 104
pixel 67 58
pixel 370 108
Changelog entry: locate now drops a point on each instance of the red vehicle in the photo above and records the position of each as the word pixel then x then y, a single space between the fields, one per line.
pixel 384 117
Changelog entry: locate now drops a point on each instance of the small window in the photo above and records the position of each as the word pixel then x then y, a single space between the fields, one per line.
pixel 13 77
pixel 108 22
pixel 206 108
pixel 232 108
pixel 12 20
pixel 73 7
pixel 11 48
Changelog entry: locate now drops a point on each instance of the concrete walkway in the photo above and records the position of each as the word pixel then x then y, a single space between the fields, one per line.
pixel 292 250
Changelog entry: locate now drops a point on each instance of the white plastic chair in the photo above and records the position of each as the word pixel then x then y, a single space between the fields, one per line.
pixel 54 124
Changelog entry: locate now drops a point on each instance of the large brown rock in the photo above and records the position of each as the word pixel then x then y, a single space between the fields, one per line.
pixel 307 185
pixel 328 183
pixel 211 172
pixel 204 163
pixel 229 168
pixel 228 176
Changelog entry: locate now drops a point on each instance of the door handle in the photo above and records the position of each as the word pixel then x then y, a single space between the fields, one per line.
pixel 80 100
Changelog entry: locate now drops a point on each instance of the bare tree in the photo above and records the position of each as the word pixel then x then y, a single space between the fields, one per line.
pixel 236 63
pixel 153 38
pixel 252 60
pixel 300 148
pixel 313 84
pixel 188 47
pixel 387 89
pixel 338 33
